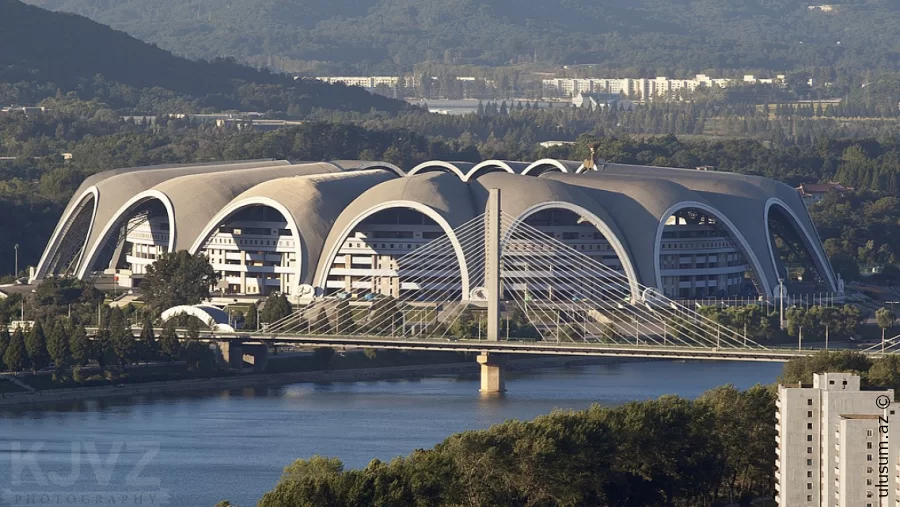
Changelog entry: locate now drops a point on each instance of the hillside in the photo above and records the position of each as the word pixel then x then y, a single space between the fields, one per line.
pixel 69 51
pixel 650 34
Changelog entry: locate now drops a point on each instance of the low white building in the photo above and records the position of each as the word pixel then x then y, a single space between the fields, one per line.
pixel 834 446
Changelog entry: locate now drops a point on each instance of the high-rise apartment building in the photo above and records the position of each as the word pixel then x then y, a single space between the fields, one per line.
pixel 837 444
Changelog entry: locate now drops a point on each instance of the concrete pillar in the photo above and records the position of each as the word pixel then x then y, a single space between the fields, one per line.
pixel 492 373
pixel 256 355
pixel 492 267
pixel 229 354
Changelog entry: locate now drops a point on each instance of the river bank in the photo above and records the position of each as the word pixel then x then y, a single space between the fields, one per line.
pixel 47 396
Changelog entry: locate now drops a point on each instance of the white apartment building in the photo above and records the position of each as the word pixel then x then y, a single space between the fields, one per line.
pixel 253 253
pixel 644 88
pixel 836 444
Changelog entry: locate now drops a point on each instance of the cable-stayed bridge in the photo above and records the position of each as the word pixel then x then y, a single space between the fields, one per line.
pixel 499 286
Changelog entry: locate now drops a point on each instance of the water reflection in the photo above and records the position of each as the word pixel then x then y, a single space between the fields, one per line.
pixel 234 443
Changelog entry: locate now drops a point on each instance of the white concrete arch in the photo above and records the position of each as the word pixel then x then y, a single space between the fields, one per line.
pixel 214 317
pixel 126 208
pixel 810 243
pixel 486 166
pixel 421 208
pixel 732 230
pixel 614 241
pixel 56 240
pixel 234 207
pixel 554 165
pixel 439 165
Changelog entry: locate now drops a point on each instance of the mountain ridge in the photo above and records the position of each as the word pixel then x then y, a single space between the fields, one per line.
pixel 364 34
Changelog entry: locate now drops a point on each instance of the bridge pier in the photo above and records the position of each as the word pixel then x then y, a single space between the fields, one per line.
pixel 492 373
pixel 232 354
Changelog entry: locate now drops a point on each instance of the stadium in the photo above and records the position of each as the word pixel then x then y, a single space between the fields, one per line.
pixel 327 228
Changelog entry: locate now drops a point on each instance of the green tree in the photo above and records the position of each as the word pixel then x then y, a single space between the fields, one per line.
pixel 122 338
pixel 4 343
pixel 321 325
pixel 102 347
pixel 801 369
pixel 198 356
pixel 275 308
pixel 193 329
pixel 16 356
pixel 169 345
pixel 177 278
pixel 149 349
pixel 343 318
pixel 384 317
pixel 36 346
pixel 79 345
pixel 885 372
pixel 58 345
pixel 885 318
pixel 251 320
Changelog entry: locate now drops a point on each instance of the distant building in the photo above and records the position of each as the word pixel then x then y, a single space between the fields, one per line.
pixel 815 192
pixel 833 446
pixel 595 100
pixel 553 144
pixel 28 110
pixel 660 87
pixel 241 123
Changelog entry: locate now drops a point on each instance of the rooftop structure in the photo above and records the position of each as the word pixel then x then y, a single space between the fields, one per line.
pixel 323 227
pixel 815 192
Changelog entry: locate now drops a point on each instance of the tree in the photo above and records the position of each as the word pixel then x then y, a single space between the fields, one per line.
pixel 16 357
pixel 321 325
pixel 251 320
pixel 103 351
pixel 384 316
pixel 121 337
pixel 4 343
pixel 177 278
pixel 885 318
pixel 343 318
pixel 169 345
pixel 198 356
pixel 149 349
pixel 36 346
pixel 885 372
pixel 193 329
pixel 58 345
pixel 79 346
pixel 275 308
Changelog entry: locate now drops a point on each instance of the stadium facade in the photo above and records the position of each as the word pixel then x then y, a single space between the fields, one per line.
pixel 301 228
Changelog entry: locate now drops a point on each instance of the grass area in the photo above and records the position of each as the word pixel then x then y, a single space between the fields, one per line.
pixel 9 387
pixel 128 375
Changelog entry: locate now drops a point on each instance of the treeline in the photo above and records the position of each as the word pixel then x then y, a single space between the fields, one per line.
pixel 62 308
pixel 96 62
pixel 667 452
pixel 33 191
pixel 377 36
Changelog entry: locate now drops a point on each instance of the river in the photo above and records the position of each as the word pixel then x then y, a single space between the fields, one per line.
pixel 194 450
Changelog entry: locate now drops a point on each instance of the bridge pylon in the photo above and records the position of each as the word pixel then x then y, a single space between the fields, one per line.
pixel 492 364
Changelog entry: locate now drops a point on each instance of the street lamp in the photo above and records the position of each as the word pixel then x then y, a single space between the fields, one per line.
pixel 781 302
pixel 16 247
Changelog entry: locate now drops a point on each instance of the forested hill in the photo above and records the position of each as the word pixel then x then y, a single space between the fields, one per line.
pixel 655 35
pixel 69 50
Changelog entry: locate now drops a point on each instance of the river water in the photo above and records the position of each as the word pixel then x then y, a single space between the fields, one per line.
pixel 194 450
